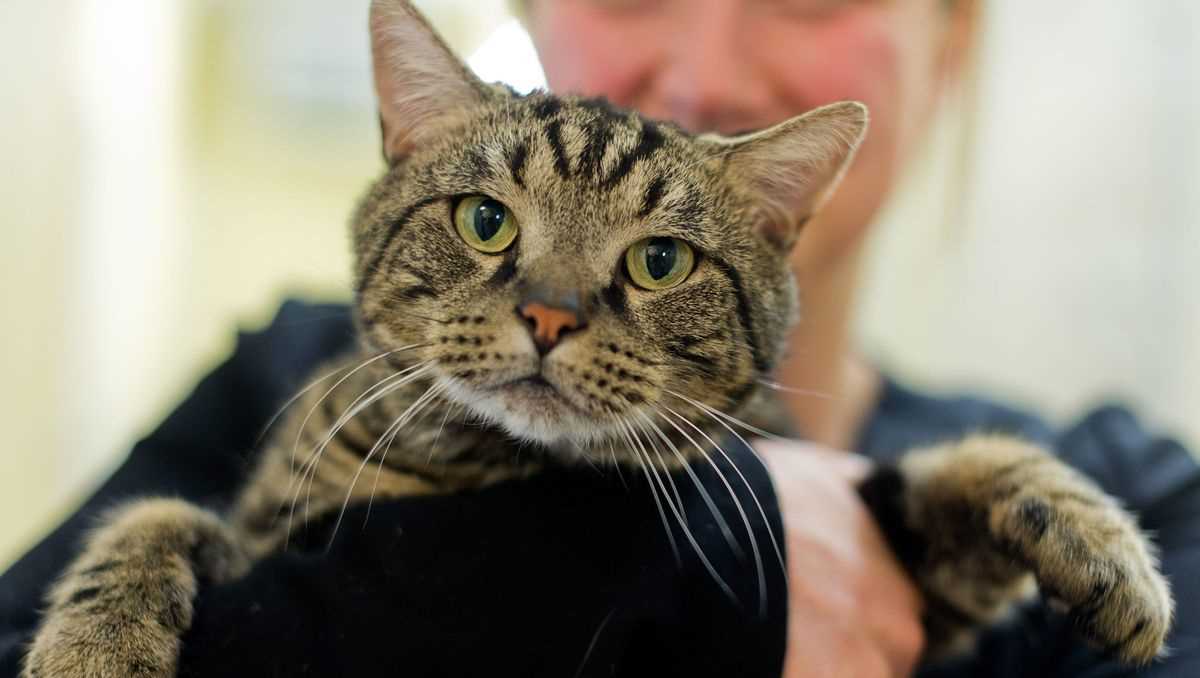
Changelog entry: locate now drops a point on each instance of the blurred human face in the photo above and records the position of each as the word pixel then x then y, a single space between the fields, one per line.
pixel 734 65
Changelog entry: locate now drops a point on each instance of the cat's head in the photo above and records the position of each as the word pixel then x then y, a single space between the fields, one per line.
pixel 568 270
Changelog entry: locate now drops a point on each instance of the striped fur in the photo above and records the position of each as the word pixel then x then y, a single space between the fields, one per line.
pixel 439 397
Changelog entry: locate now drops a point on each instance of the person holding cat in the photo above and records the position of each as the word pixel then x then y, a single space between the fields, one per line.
pixel 852 609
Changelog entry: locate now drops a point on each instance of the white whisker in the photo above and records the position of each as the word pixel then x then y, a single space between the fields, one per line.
pixel 687 533
pixel 704 495
pixel 730 418
pixel 592 645
pixel 291 401
pixel 408 415
pixel 757 554
pixel 438 436
pixel 383 460
pixel 333 388
pixel 612 450
pixel 626 433
pixel 796 391
pixel 653 446
pixel 746 481
pixel 378 391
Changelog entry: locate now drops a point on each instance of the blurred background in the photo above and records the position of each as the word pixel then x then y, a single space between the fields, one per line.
pixel 177 167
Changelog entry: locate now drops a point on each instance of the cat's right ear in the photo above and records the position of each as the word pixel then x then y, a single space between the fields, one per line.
pixel 792 168
pixel 420 84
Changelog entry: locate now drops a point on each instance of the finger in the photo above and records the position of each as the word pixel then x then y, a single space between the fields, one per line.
pixel 781 455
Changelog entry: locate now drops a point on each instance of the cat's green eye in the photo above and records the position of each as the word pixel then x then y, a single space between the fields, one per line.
pixel 486 224
pixel 659 263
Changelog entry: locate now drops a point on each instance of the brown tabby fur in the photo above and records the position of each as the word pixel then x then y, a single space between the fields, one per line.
pixel 442 350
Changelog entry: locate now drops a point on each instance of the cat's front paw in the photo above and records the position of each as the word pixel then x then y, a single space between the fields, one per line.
pixel 84 646
pixel 1089 556
pixel 983 514
pixel 121 608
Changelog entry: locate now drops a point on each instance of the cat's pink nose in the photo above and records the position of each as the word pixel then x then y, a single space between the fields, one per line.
pixel 549 324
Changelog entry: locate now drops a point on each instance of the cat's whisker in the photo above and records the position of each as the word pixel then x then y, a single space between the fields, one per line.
pixel 383 462
pixel 792 390
pixel 704 495
pixel 687 532
pixel 360 366
pixel 291 401
pixel 727 417
pixel 418 316
pixel 379 390
pixel 298 480
pixel 625 432
pixel 405 377
pixel 653 446
pixel 388 436
pixel 737 502
pixel 612 450
pixel 438 436
pixel 378 396
pixel 775 543
pixel 583 454
pixel 592 645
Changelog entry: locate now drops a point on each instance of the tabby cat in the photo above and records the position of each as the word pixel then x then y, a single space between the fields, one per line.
pixel 576 277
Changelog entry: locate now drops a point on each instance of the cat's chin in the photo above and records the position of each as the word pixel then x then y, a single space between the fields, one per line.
pixel 534 411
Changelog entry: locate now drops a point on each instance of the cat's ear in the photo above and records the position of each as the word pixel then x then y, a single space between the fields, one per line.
pixel 793 167
pixel 421 85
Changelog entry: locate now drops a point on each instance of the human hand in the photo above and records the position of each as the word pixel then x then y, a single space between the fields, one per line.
pixel 852 610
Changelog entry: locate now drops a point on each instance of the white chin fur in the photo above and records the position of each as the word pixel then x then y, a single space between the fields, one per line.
pixel 563 429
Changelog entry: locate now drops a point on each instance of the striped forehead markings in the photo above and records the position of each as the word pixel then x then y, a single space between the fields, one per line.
pixel 653 195
pixel 516 164
pixel 649 142
pixel 598 137
pixel 554 136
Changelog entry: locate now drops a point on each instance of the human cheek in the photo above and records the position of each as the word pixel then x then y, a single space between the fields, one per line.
pixel 585 50
pixel 849 55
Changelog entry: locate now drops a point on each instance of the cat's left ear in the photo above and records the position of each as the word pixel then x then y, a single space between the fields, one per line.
pixel 420 83
pixel 793 167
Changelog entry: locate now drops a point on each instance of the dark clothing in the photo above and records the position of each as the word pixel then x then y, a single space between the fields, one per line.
pixel 570 573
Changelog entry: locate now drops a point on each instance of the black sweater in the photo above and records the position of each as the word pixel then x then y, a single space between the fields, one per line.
pixel 570 573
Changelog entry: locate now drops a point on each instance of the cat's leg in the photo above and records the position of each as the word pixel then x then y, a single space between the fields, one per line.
pixel 985 522
pixel 121 607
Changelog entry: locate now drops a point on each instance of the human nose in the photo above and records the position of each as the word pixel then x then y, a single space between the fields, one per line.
pixel 709 81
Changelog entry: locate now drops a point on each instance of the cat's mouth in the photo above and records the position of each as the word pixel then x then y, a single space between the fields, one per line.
pixel 538 402
pixel 536 409
pixel 535 391
pixel 535 381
